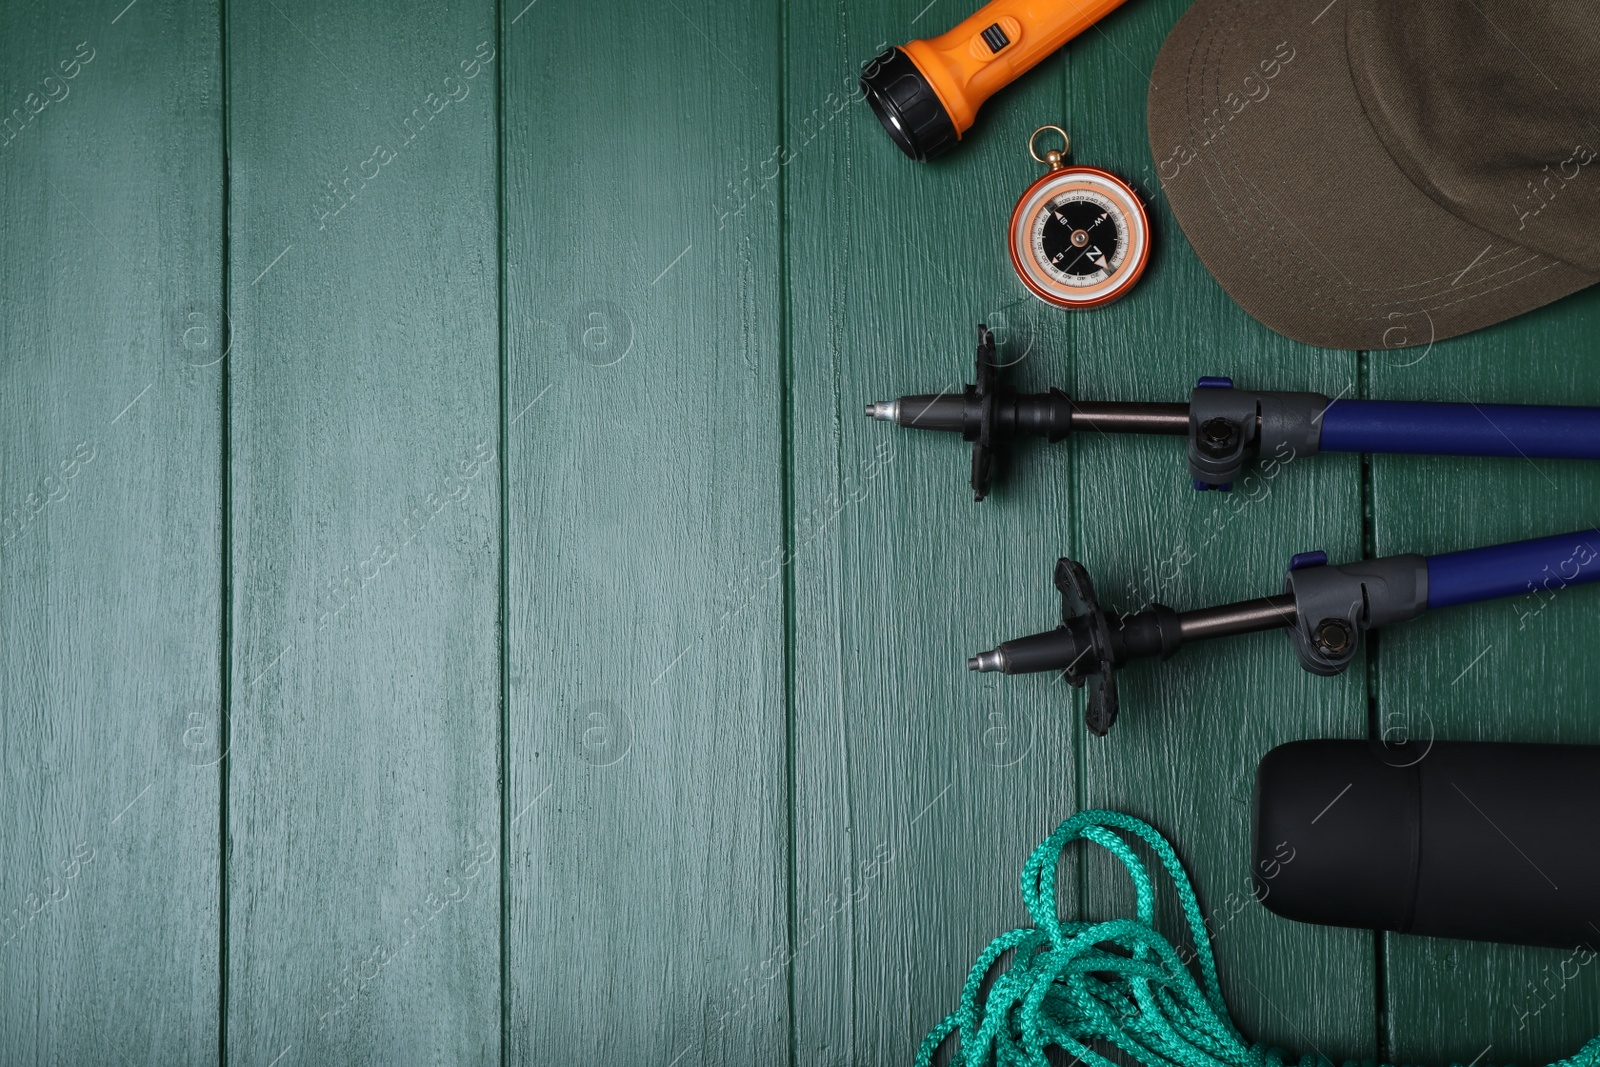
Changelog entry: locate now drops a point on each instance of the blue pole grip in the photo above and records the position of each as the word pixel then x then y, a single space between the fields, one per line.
pixel 1513 569
pixel 1461 429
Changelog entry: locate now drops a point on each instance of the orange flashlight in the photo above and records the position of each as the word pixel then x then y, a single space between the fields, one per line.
pixel 927 93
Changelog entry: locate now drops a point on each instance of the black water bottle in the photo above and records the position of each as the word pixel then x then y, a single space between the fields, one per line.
pixel 1485 841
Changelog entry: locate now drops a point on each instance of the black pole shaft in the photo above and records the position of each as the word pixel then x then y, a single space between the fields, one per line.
pixel 1126 417
pixel 1245 617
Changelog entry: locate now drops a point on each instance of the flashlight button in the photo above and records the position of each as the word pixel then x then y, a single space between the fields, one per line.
pixel 994 40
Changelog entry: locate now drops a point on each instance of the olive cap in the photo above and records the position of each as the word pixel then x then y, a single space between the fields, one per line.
pixel 1365 174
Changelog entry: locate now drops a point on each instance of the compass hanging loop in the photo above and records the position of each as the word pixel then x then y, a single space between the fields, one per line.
pixel 1055 158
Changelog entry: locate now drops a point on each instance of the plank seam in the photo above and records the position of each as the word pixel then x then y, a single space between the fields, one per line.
pixel 1369 550
pixel 1075 537
pixel 225 637
pixel 503 593
pixel 786 472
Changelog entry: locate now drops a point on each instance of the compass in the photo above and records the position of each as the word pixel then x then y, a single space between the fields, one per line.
pixel 1079 235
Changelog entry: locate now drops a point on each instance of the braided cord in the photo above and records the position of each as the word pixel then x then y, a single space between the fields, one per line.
pixel 1119 982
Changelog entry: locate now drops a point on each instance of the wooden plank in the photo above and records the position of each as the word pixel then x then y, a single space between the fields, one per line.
pixel 363 810
pixel 110 566
pixel 1192 730
pixel 1514 670
pixel 647 740
pixel 919 789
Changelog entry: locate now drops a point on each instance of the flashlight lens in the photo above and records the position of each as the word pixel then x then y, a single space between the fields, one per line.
pixel 907 106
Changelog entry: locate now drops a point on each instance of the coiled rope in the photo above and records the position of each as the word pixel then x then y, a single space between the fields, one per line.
pixel 1118 982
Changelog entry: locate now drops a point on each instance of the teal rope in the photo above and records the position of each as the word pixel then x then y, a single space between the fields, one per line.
pixel 1119 982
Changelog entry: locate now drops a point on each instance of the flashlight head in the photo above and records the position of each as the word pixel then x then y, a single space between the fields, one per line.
pixel 904 101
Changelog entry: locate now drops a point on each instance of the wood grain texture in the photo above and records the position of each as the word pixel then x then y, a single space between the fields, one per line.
pixel 364 814
pixel 919 788
pixel 110 311
pixel 1192 730
pixel 1521 669
pixel 757 811
pixel 648 781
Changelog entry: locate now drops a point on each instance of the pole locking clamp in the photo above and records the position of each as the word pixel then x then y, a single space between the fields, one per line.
pixel 1333 605
pixel 1230 428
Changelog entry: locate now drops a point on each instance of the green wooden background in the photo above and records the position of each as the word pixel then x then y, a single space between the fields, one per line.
pixel 453 611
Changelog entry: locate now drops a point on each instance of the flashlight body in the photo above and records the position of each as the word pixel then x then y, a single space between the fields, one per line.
pixel 964 66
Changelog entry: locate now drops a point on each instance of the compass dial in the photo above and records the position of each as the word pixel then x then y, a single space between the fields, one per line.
pixel 1079 237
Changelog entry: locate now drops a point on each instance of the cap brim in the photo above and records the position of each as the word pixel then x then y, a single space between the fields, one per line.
pixel 1295 206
